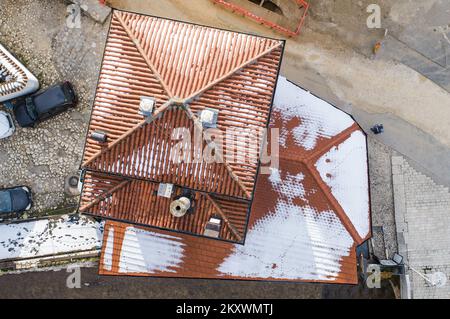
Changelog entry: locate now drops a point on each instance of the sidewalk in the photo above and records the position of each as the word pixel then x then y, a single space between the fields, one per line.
pixel 422 214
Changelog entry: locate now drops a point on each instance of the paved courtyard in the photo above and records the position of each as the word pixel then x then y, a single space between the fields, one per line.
pixel 422 210
pixel 42 157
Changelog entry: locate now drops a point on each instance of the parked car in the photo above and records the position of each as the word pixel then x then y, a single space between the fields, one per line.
pixel 7 127
pixel 15 200
pixel 44 104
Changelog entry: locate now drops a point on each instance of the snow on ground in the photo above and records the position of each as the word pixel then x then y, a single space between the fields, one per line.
pixel 49 237
pixel 317 117
pixel 149 252
pixel 344 169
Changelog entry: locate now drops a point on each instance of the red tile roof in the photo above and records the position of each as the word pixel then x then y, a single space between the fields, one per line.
pixel 186 68
pixel 307 217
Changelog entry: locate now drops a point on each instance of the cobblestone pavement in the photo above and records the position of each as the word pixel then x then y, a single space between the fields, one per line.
pixel 422 210
pixel 384 239
pixel 42 157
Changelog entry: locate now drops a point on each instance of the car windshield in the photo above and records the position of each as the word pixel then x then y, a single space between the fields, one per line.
pixel 49 99
pixel 31 111
pixel 5 202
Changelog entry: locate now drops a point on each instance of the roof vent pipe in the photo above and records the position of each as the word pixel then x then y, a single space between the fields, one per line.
pixel 146 106
pixel 208 117
pixel 99 136
pixel 180 206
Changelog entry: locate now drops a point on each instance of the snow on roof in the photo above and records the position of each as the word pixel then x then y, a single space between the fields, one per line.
pixel 294 242
pixel 319 119
pixel 344 169
pixel 49 237
pixel 108 250
pixel 150 252
pixel 306 219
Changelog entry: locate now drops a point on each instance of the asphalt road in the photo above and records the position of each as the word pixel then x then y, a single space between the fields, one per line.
pixel 52 284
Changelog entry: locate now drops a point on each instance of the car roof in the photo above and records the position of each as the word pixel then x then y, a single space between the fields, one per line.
pixel 49 99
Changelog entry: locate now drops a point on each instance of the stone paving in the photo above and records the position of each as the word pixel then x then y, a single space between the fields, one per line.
pixel 42 157
pixel 422 210
pixel 384 239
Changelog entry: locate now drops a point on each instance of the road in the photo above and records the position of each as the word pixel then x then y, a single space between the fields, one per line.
pixel 52 284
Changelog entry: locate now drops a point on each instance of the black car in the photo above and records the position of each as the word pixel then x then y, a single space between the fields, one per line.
pixel 44 104
pixel 15 200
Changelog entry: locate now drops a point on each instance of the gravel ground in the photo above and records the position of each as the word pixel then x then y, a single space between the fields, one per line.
pixel 384 238
pixel 42 157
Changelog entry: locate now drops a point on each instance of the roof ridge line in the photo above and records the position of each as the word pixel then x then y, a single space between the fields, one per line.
pixel 194 95
pixel 157 112
pixel 335 204
pixel 309 163
pixel 142 53
pixel 208 141
pixel 146 180
pixel 224 216
pixel 334 141
pixel 103 196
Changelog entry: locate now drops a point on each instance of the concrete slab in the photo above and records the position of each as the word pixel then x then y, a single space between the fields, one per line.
pixel 94 9
pixel 395 49
pixel 421 39
pixel 426 153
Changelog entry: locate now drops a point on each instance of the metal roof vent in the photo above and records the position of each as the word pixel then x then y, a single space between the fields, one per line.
pixel 146 105
pixel 208 117
pixel 165 190
pixel 180 206
pixel 99 136
pixel 212 228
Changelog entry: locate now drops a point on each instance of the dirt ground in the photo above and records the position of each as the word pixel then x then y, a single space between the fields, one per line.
pixel 335 36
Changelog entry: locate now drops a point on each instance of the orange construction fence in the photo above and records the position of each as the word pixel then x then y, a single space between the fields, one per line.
pixel 270 24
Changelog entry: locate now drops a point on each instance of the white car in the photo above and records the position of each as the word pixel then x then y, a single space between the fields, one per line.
pixel 7 127
pixel 15 79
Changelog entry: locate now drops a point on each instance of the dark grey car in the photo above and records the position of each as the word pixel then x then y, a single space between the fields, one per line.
pixel 44 104
pixel 15 200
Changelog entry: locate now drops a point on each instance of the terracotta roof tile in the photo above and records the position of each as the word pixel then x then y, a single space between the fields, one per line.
pixel 300 227
pixel 186 68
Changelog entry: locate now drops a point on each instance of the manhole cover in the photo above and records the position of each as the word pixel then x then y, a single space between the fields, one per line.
pixel 73 181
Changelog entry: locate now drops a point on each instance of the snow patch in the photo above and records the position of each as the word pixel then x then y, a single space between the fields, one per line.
pixel 108 253
pixel 293 242
pixel 150 252
pixel 317 117
pixel 344 170
pixel 291 187
pixel 49 237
